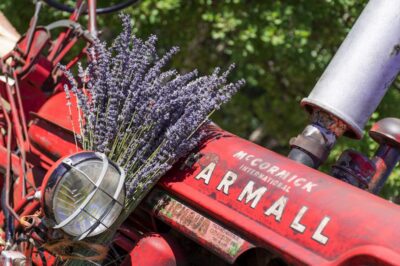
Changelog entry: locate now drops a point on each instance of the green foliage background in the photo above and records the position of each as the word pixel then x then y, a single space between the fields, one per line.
pixel 279 47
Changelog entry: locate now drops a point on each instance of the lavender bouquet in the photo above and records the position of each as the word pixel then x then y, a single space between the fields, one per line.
pixel 142 116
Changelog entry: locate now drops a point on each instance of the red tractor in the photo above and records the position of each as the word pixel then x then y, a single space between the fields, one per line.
pixel 230 201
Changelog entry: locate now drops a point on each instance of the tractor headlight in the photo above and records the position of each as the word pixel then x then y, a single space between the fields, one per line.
pixel 84 194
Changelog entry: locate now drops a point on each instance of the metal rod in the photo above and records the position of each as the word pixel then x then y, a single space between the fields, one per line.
pixel 32 26
pixel 18 132
pixel 64 35
pixel 21 109
pixel 25 137
pixel 92 17
pixel 8 169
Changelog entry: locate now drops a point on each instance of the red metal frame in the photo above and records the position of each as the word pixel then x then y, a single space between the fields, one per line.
pixel 31 69
pixel 236 192
pixel 353 230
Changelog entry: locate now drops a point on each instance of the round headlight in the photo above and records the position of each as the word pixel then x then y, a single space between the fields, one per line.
pixel 84 194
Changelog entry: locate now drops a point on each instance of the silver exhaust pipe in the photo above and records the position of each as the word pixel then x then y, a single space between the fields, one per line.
pixel 353 84
pixel 363 68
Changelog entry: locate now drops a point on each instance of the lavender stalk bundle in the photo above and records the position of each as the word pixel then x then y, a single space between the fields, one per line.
pixel 140 115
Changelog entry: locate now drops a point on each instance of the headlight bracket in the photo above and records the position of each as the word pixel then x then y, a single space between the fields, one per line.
pixel 100 198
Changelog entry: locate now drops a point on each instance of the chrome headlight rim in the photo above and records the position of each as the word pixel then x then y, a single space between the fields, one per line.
pixel 56 174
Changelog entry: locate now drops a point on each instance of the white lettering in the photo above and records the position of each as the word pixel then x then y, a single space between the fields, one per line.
pixel 255 162
pixel 206 173
pixel 270 173
pixel 248 157
pixel 292 178
pixel 298 182
pixel 251 195
pixel 277 208
pixel 273 169
pixel 309 186
pixel 296 225
pixel 264 165
pixel 318 236
pixel 228 179
pixel 283 174
pixel 240 155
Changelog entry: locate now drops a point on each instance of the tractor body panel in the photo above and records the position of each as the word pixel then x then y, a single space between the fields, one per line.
pixel 232 195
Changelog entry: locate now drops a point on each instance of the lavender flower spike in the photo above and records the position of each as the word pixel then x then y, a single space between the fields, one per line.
pixel 141 114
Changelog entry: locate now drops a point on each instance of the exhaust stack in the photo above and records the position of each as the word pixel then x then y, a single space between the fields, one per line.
pixel 354 82
pixel 363 68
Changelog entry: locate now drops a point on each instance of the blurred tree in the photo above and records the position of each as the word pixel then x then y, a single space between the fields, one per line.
pixel 280 47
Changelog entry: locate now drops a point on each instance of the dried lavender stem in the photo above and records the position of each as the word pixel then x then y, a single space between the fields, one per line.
pixel 141 116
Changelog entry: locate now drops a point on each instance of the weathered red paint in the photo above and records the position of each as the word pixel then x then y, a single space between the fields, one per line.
pixel 355 215
pixel 153 250
pixel 40 41
pixel 324 221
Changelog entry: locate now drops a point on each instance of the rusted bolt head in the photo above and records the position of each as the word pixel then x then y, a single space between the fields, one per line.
pixel 387 131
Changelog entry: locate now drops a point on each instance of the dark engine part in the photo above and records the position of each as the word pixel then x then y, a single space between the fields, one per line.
pixel 356 169
pixel 314 144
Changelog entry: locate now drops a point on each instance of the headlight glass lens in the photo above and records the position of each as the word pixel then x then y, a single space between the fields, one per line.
pixel 78 185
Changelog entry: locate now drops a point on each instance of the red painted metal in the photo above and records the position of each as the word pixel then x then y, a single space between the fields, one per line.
pixel 32 74
pixel 23 62
pixel 152 250
pixel 238 196
pixel 352 231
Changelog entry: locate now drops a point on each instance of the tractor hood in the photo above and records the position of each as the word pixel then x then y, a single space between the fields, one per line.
pixel 281 205
pixel 243 195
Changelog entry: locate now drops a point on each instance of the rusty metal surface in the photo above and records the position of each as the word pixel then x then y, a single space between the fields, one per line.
pixel 354 168
pixel 328 121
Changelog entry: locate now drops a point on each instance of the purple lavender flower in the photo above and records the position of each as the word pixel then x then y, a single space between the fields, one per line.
pixel 142 115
